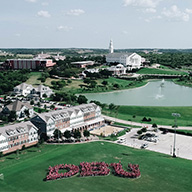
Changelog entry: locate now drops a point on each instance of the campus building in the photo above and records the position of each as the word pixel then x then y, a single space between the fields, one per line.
pixel 129 60
pixel 85 116
pixel 28 63
pixel 14 137
pixel 82 64
pixel 22 109
pixel 27 90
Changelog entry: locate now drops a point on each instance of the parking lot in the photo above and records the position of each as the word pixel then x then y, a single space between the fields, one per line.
pixel 164 143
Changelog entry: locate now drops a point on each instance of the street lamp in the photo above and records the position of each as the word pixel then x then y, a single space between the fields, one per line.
pixel 175 125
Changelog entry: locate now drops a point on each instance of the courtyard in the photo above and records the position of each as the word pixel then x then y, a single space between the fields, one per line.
pixel 106 130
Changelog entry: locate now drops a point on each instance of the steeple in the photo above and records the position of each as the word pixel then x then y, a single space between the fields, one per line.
pixel 111 46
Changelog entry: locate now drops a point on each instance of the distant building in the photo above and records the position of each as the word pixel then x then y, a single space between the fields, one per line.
pixel 46 55
pixel 28 90
pixel 129 60
pixel 23 89
pixel 28 63
pixel 85 116
pixel 117 70
pixel 20 109
pixel 13 137
pixel 41 90
pixel 83 64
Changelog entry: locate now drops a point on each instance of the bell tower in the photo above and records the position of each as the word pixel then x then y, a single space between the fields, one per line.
pixel 111 46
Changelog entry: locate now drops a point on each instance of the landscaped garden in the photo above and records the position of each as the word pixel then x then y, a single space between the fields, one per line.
pixel 159 172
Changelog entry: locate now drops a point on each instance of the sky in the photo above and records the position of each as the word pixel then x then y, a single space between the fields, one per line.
pixel 92 23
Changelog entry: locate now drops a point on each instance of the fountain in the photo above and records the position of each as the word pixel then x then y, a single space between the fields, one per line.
pixel 160 95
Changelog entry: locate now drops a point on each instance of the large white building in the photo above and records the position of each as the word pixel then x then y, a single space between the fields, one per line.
pixel 85 116
pixel 129 60
pixel 14 137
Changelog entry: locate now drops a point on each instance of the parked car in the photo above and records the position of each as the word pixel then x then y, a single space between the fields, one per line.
pixel 144 146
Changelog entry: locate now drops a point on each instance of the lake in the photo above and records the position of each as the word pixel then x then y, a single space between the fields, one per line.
pixel 155 93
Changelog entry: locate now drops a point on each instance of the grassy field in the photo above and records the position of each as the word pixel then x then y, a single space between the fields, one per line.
pixel 74 86
pixel 33 78
pixel 160 71
pixel 159 172
pixel 158 115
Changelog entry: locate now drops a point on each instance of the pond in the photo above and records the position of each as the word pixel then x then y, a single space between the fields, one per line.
pixel 155 93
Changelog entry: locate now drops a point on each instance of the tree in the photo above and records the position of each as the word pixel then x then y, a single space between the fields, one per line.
pixel 82 99
pixel 57 134
pixel 12 116
pixel 77 134
pixel 32 102
pixel 154 125
pixel 144 129
pixel 52 107
pixel 139 132
pixel 105 83
pixel 111 106
pixel 67 134
pixel 45 95
pixel 116 86
pixel 144 119
pixel 39 104
pixel 1 154
pixel 86 133
pixel 23 147
pixel 93 84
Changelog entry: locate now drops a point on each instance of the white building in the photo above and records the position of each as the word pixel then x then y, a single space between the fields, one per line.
pixel 118 69
pixel 26 89
pixel 85 116
pixel 129 60
pixel 41 90
pixel 23 89
pixel 20 108
pixel 14 137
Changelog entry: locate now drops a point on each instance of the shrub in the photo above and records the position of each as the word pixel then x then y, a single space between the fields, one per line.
pixel 139 132
pixel 144 129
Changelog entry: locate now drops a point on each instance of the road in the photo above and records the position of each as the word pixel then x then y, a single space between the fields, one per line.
pixel 142 124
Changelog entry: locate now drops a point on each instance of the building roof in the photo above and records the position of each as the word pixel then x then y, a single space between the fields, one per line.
pixel 17 106
pixel 41 88
pixel 66 112
pixel 23 86
pixel 111 55
pixel 83 62
pixel 16 129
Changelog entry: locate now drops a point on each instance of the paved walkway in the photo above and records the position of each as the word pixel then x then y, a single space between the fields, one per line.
pixel 142 124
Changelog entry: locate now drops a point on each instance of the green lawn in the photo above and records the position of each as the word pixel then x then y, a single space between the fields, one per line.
pixel 33 78
pixel 160 71
pixel 159 172
pixel 158 115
